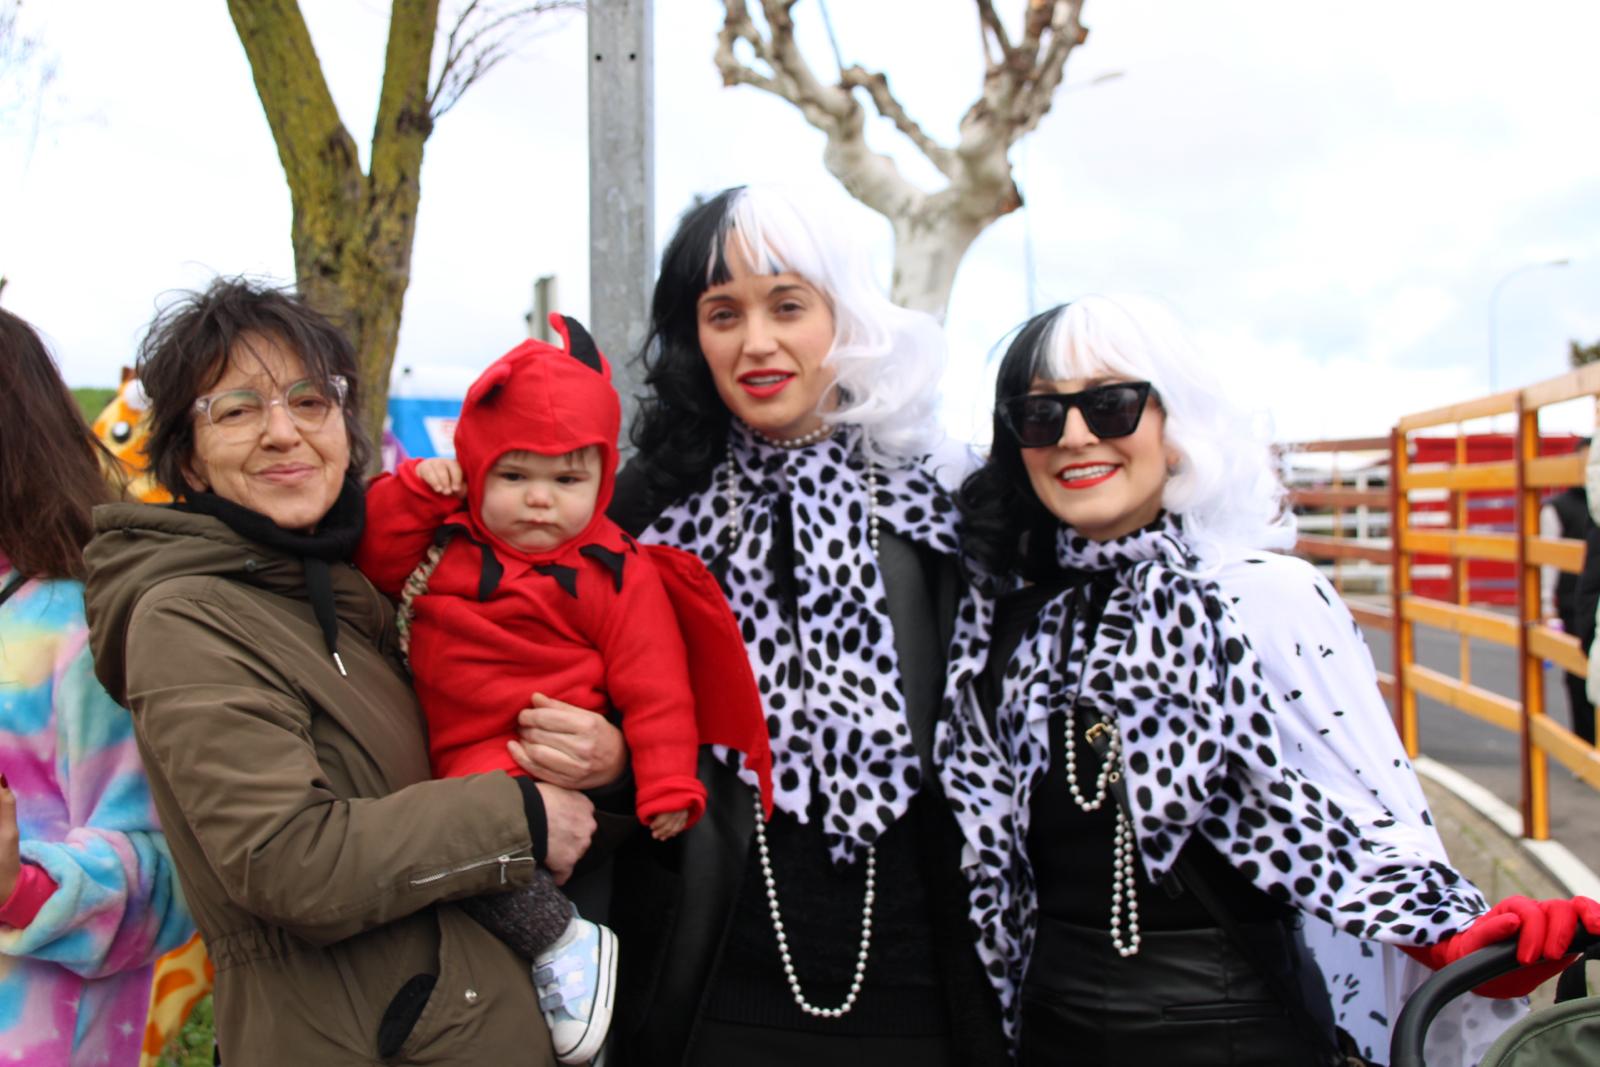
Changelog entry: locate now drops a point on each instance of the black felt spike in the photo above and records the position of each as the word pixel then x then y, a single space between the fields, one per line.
pixel 489 571
pixel 566 577
pixel 581 345
pixel 612 561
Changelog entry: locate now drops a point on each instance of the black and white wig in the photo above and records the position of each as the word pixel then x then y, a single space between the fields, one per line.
pixel 1225 486
pixel 887 359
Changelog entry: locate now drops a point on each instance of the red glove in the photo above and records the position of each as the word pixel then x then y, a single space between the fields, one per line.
pixel 1544 930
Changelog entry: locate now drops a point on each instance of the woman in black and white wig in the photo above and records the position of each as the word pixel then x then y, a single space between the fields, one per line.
pixel 789 401
pixel 1271 851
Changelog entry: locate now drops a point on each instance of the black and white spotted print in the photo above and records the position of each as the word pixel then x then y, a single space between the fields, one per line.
pixel 830 678
pixel 1290 769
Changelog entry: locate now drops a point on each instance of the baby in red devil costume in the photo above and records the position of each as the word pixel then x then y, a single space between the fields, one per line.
pixel 532 589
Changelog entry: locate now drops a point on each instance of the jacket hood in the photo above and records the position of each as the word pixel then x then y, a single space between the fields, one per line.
pixel 540 398
pixel 137 547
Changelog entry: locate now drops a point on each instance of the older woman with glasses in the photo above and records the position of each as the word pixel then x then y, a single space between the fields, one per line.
pixel 1192 833
pixel 286 751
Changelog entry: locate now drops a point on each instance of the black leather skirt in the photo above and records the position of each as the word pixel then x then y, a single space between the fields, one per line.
pixel 1187 998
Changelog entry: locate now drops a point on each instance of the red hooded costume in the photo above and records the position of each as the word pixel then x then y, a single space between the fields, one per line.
pixel 597 621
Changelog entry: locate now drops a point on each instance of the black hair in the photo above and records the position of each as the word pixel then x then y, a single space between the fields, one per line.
pixel 186 352
pixel 1003 525
pixel 682 429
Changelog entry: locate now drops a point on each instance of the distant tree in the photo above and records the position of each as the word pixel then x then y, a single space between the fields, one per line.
pixel 26 68
pixel 353 230
pixel 1582 354
pixel 932 230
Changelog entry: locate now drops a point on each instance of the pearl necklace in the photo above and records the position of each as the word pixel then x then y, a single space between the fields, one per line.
pixel 783 940
pixel 728 473
pixel 788 443
pixel 1124 885
pixel 732 532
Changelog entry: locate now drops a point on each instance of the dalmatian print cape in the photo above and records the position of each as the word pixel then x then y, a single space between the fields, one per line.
pixel 1283 757
pixel 830 679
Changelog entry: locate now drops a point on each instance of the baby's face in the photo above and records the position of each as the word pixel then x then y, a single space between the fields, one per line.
pixel 534 502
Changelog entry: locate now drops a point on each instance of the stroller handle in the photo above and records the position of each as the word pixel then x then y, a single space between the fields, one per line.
pixel 1467 973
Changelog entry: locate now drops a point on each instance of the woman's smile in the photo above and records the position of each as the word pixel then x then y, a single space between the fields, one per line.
pixel 1085 475
pixel 286 473
pixel 765 384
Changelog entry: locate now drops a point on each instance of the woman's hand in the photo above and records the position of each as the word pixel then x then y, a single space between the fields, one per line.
pixel 569 827
pixel 10 841
pixel 567 746
pixel 1543 930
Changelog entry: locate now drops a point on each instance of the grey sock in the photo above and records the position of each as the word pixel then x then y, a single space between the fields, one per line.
pixel 526 919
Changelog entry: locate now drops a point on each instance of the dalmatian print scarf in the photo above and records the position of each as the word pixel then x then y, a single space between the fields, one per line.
pixel 1204 750
pixel 829 677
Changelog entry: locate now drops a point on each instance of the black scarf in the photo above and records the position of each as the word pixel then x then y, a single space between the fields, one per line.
pixel 335 538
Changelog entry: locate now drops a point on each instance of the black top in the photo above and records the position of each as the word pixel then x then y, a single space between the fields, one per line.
pixel 821 906
pixel 1572 508
pixel 1071 850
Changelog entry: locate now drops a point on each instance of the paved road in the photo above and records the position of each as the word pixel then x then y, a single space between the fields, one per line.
pixel 1487 754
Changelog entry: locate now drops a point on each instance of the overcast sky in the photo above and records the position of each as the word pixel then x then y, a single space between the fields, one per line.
pixel 1329 193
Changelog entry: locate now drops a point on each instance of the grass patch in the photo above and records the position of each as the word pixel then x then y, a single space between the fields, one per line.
pixel 193 1044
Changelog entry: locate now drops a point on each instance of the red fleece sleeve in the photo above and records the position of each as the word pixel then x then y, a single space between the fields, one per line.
pixel 402 515
pixel 33 888
pixel 647 678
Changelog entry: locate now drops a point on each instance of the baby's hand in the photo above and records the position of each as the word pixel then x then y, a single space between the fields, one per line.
pixel 443 476
pixel 668 824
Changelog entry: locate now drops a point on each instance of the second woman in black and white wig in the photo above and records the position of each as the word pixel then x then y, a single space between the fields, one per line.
pixel 1271 852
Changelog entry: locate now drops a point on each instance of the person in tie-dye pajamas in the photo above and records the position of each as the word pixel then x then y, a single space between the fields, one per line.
pixel 88 897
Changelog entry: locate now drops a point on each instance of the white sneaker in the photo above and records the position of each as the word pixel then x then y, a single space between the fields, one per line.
pixel 576 978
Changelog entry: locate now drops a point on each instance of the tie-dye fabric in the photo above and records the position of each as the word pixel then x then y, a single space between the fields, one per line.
pixel 75 982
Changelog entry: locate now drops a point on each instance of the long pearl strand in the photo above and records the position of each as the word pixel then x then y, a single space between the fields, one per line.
pixel 783 939
pixel 1124 872
pixel 730 490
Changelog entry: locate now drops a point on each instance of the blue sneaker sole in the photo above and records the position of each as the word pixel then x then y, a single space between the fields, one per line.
pixel 594 1035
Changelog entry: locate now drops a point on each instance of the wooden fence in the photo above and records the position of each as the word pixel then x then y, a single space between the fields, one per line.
pixel 1526 478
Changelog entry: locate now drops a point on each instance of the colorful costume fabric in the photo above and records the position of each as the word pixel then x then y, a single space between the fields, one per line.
pixel 589 622
pixel 75 981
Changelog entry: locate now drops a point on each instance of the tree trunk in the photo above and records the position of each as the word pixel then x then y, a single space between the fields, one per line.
pixel 352 232
pixel 928 246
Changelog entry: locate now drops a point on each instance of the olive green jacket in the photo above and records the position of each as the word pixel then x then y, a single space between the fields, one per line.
pixel 316 854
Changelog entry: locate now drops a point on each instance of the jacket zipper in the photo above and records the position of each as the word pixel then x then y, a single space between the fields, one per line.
pixel 505 863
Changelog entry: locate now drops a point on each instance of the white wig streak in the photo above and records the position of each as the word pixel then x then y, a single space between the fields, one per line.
pixel 887 359
pixel 1226 487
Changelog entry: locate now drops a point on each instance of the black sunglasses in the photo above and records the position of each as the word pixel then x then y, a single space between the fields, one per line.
pixel 1037 420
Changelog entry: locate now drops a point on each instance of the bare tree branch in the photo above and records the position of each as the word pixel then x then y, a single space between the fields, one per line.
pixel 1066 33
pixel 26 69
pixel 993 29
pixel 932 229
pixel 481 36
pixel 873 178
pixel 877 87
pixel 736 27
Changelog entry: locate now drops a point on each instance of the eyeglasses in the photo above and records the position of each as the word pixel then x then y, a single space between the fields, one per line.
pixel 1038 419
pixel 241 413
